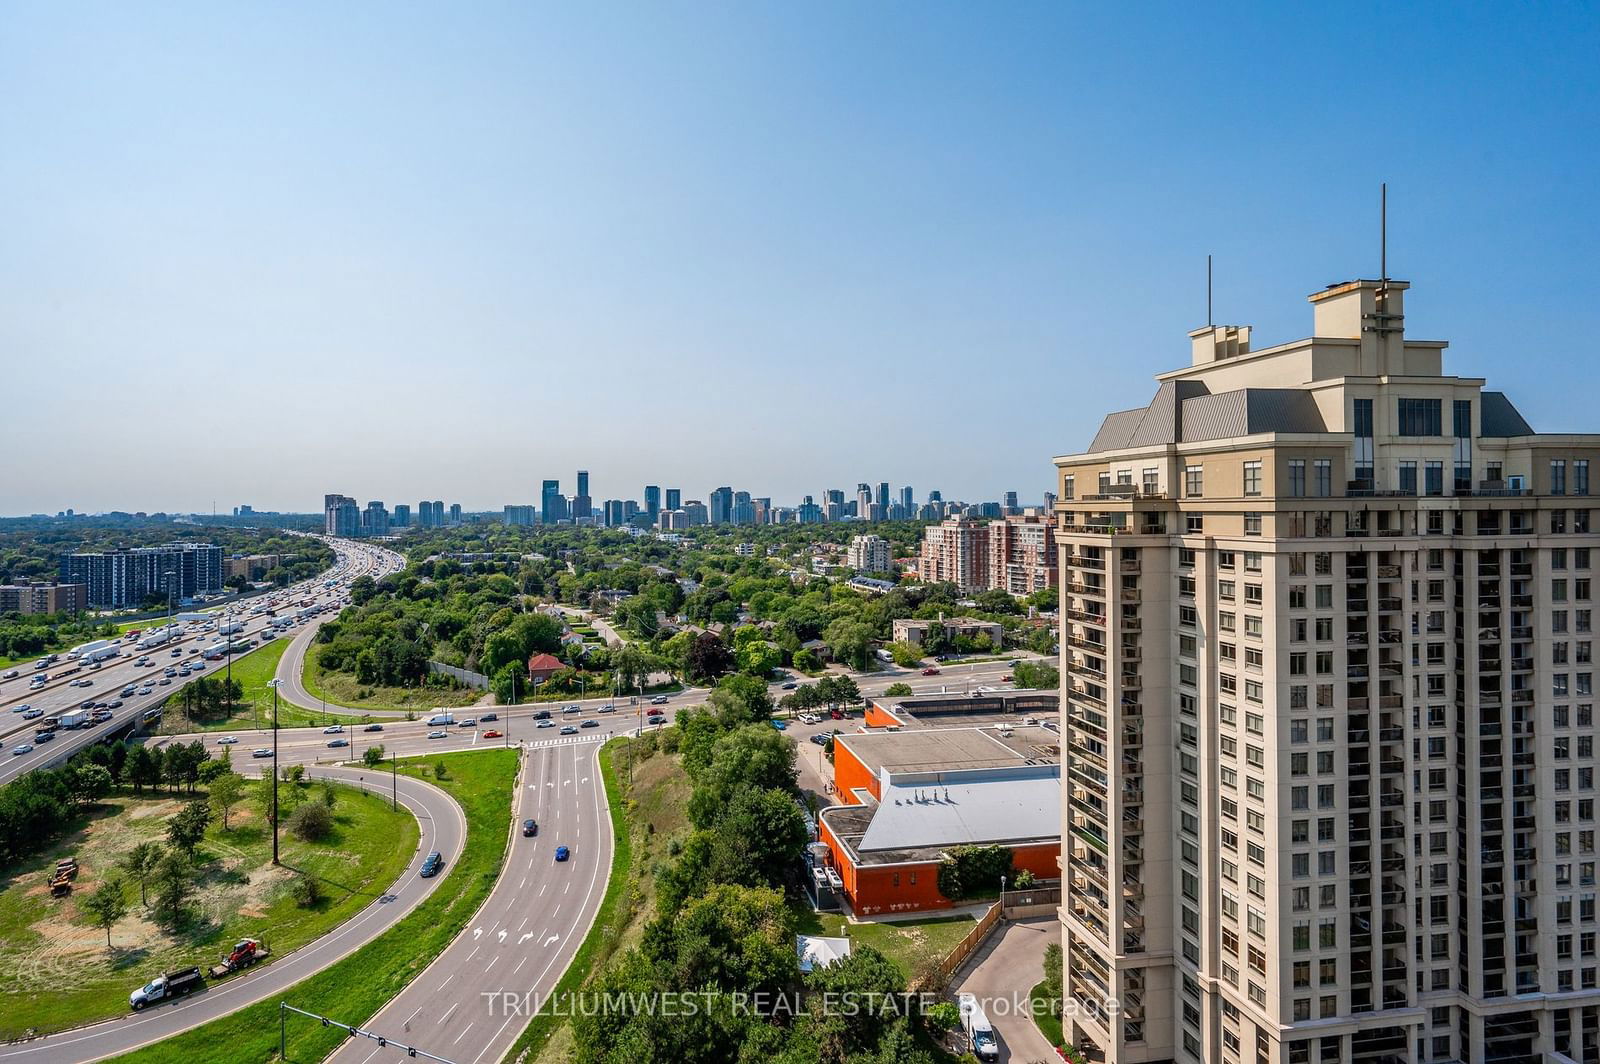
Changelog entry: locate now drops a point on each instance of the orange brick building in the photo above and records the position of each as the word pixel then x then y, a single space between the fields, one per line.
pixel 910 796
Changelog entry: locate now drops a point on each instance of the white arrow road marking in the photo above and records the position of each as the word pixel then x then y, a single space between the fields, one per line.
pixel 502 935
pixel 476 931
pixel 584 780
pixel 525 936
pixel 552 938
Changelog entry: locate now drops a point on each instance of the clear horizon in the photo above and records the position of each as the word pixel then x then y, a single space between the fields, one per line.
pixel 255 256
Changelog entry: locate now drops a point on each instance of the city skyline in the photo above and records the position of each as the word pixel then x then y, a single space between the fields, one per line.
pixel 762 241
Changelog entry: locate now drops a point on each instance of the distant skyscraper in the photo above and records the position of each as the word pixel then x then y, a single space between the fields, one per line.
pixel 674 498
pixel 582 506
pixel 375 520
pixel 652 500
pixel 883 495
pixel 864 501
pixel 1010 502
pixel 455 513
pixel 808 512
pixel 721 505
pixel 613 513
pixel 341 517
pixel 743 511
pixel 935 497
pixel 833 504
pixel 908 500
pixel 519 515
pixel 438 513
pixel 552 505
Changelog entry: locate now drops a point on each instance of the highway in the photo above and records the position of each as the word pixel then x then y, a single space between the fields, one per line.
pixel 145 669
pixel 443 828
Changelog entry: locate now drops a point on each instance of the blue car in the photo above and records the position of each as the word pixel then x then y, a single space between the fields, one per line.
pixel 561 853
pixel 780 725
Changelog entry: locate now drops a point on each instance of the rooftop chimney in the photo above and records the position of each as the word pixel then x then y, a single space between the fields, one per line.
pixel 1370 311
pixel 1217 342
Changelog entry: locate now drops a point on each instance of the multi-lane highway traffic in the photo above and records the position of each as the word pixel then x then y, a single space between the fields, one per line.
pixel 136 680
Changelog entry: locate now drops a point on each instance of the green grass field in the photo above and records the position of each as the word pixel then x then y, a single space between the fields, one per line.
pixel 55 969
pixel 342 689
pixel 355 988
pixel 254 709
pixel 913 945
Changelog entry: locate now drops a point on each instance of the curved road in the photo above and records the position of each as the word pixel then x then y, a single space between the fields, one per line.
pixel 443 828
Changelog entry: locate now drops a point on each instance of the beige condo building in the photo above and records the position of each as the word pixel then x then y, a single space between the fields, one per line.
pixel 1328 712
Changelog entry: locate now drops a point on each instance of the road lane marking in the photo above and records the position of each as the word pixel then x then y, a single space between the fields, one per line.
pixel 447 1013
pixel 552 938
pixel 463 1033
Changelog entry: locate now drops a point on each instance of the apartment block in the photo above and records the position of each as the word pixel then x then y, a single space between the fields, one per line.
pixel 868 554
pixel 341 516
pixel 1015 554
pixel 43 598
pixel 121 578
pixel 1328 711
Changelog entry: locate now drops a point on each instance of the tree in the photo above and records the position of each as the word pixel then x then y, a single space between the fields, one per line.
pixel 173 886
pixel 187 828
pixel 850 641
pixel 759 658
pixel 1036 675
pixel 372 756
pixel 1046 598
pixel 89 783
pixel 708 658
pixel 760 837
pixel 730 938
pixel 311 822
pixel 141 863
pixel 807 661
pixel 864 976
pixel 362 588
pixel 906 655
pixel 226 792
pixel 141 769
pixel 996 601
pixel 752 755
pixel 106 905
pixel 897 690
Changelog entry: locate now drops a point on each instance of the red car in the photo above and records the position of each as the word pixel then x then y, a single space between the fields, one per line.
pixel 1006 678
pixel 930 671
pixel 492 734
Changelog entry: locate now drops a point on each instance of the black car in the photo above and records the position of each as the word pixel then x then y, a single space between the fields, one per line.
pixel 373 727
pixel 590 724
pixel 821 740
pixel 543 714
pixel 530 828
pixel 42 736
pixel 87 703
pixel 431 864
pixel 489 716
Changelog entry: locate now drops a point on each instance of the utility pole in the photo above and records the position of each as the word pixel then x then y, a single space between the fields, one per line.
pixel 274 683
pixel 394 781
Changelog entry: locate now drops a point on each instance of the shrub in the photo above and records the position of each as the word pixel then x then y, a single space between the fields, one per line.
pixel 311 822
pixel 307 890
pixel 943 1017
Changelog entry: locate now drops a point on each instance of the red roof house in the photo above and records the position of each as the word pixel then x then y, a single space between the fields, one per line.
pixel 543 666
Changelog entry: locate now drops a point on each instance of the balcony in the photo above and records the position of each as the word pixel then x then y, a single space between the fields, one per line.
pixel 1390 604
pixel 1130 565
pixel 1388 572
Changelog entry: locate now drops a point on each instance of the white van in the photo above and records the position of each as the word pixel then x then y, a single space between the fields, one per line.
pixel 980 1033
pixel 439 720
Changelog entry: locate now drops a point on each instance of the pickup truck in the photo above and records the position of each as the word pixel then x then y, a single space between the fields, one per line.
pixel 171 984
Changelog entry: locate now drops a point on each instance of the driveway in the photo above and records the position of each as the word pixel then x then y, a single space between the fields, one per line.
pixel 1004 971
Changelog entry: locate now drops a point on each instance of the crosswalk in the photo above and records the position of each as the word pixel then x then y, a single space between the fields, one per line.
pixel 565 740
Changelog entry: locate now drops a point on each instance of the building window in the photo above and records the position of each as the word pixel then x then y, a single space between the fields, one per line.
pixel 1252 478
pixel 1408 478
pixel 1152 481
pixel 1580 476
pixel 1193 481
pixel 1420 417
pixel 1297 478
pixel 1433 479
pixel 1361 411
pixel 1067 486
pixel 1323 483
pixel 1252 524
pixel 1558 476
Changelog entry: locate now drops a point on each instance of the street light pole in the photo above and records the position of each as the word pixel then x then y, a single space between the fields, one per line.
pixel 274 683
pixel 394 781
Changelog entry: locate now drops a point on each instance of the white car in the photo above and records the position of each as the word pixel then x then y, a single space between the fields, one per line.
pixel 21 709
pixel 437 734
pixel 18 751
pixel 333 729
pixel 227 740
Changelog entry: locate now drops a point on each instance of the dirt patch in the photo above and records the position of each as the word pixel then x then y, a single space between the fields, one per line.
pixel 145 811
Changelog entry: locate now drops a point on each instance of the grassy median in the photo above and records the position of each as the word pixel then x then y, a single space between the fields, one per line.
pixel 253 712
pixel 355 988
pixel 56 970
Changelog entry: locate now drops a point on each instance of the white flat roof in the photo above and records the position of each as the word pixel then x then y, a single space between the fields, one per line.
pixel 1002 807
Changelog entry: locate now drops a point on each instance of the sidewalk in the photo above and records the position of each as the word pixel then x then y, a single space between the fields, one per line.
pixel 1007 967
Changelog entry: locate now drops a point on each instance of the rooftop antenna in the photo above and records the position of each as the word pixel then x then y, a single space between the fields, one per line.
pixel 1383 236
pixel 1209 323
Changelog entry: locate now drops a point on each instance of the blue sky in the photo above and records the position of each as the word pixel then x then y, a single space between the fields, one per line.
pixel 256 254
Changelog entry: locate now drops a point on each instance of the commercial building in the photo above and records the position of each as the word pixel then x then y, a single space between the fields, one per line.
pixel 552 504
pixel 118 579
pixel 520 516
pixel 375 520
pixel 341 516
pixel 402 515
pixel 721 507
pixel 43 598
pixel 455 513
pixel 912 796
pixel 1328 711
pixel 652 500
pixel 674 498
pixel 868 554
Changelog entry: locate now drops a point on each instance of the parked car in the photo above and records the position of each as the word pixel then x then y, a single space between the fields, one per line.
pixel 821 739
pixel 780 725
pixel 530 828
